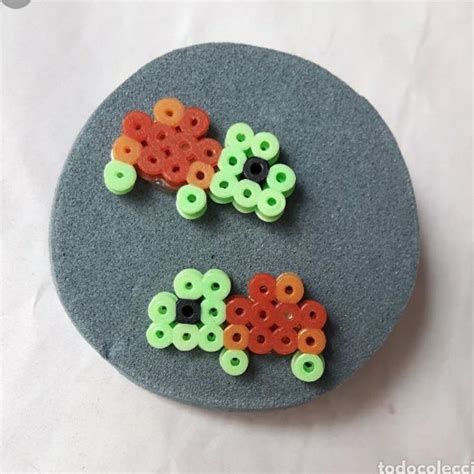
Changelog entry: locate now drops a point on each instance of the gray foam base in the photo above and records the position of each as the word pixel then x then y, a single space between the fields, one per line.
pixel 350 229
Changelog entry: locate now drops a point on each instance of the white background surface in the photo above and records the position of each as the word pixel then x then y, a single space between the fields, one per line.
pixel 65 409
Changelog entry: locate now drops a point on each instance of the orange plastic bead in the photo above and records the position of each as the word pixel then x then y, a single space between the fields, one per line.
pixel 238 310
pixel 260 340
pixel 284 341
pixel 236 336
pixel 175 171
pixel 136 125
pixel 289 288
pixel 159 133
pixel 200 174
pixel 169 111
pixel 126 149
pixel 287 315
pixel 262 314
pixel 195 121
pixel 209 151
pixel 311 340
pixel 150 163
pixel 261 287
pixel 313 314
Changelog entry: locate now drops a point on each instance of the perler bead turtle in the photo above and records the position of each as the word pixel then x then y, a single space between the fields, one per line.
pixel 272 318
pixel 173 152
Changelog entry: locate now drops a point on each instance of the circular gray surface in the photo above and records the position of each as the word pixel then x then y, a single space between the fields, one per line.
pixel 350 230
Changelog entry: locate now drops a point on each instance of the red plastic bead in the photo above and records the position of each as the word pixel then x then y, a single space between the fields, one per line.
pixel 238 310
pixel 261 287
pixel 287 315
pixel 136 125
pixel 262 314
pixel 158 133
pixel 284 341
pixel 187 146
pixel 175 170
pixel 195 122
pixel 150 163
pixel 313 314
pixel 209 151
pixel 260 340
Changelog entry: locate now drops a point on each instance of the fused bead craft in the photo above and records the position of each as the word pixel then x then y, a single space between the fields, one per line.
pixel 172 150
pixel 273 318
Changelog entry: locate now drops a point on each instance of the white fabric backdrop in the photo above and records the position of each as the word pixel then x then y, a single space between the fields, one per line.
pixel 65 409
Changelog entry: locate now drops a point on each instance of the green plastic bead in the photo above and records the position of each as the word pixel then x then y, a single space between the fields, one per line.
pixel 281 178
pixel 232 160
pixel 246 195
pixel 191 201
pixel 212 311
pixel 159 335
pixel 187 284
pixel 185 336
pixel 239 135
pixel 211 338
pixel 119 177
pixel 265 145
pixel 222 187
pixel 234 362
pixel 216 284
pixel 307 367
pixel 267 219
pixel 162 307
pixel 271 204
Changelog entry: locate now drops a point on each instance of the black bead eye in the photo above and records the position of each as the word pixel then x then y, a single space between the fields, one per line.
pixel 188 311
pixel 256 169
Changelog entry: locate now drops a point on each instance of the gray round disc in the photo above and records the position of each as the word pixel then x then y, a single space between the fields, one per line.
pixel 350 230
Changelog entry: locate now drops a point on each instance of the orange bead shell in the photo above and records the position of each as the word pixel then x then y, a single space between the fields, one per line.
pixel 289 288
pixel 311 340
pixel 169 111
pixel 236 336
pixel 126 149
pixel 200 174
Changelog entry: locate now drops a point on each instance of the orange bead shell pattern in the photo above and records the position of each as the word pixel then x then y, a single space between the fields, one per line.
pixel 275 318
pixel 163 147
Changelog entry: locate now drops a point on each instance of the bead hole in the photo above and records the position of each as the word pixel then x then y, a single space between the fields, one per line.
pixel 289 290
pixel 127 149
pixel 169 113
pixel 188 285
pixel 247 193
pixel 256 168
pixel 236 337
pixel 232 160
pixel 240 137
pixel 119 174
pixel 310 341
pixel 188 311
pixel 159 334
pixel 234 361
pixel 186 336
pixel 209 152
pixel 263 289
pixel 224 185
pixel 192 198
pixel 281 177
pixel 264 145
pixel 215 286
pixel 260 339
pixel 175 169
pixel 239 311
pixel 194 122
pixel 308 367
pixel 200 175
pixel 162 310
pixel 211 337
pixel 213 312
pixel 271 201
pixel 286 340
